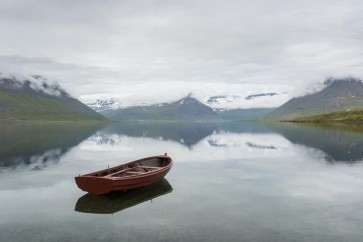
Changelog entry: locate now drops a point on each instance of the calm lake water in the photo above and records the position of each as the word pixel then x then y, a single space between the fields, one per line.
pixel 230 182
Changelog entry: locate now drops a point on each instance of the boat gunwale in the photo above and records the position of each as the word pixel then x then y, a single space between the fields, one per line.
pixel 146 174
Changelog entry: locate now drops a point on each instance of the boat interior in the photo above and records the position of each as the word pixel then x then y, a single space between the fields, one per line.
pixel 134 168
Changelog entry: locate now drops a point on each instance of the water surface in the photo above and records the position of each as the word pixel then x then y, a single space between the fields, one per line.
pixel 230 182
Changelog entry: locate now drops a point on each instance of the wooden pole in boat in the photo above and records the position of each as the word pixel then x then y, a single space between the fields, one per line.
pixel 164 159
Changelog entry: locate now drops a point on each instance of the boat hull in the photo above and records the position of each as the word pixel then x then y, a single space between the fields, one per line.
pixel 103 185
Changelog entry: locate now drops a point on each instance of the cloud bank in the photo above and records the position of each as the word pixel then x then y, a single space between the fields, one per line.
pixel 157 51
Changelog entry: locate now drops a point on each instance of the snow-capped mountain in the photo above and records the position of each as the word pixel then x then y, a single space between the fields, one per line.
pixel 104 105
pixel 187 108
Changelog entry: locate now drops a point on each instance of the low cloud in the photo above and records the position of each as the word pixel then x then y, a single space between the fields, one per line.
pixel 37 83
pixel 154 51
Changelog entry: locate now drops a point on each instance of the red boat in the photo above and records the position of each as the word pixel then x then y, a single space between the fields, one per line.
pixel 127 176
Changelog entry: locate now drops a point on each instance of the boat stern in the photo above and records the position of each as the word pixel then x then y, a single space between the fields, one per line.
pixel 94 185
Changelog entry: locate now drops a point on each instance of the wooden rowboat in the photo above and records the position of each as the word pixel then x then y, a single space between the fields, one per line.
pixel 138 173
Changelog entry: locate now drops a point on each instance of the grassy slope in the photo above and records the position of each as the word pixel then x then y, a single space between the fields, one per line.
pixel 296 109
pixel 340 116
pixel 20 106
pixel 339 95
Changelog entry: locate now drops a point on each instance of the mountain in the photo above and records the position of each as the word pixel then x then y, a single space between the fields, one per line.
pixel 38 98
pixel 242 114
pixel 338 95
pixel 187 109
pixel 104 105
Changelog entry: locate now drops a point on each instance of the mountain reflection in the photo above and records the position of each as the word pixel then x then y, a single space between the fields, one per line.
pixel 117 201
pixel 339 143
pixel 36 145
pixel 187 134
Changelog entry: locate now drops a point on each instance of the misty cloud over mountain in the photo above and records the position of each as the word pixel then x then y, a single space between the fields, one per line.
pixel 35 83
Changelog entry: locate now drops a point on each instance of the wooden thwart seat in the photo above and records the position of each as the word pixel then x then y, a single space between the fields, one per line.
pixel 118 172
pixel 130 170
pixel 134 172
pixel 149 167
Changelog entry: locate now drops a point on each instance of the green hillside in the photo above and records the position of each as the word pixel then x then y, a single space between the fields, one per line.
pixel 18 105
pixel 298 109
pixel 341 116
pixel 338 96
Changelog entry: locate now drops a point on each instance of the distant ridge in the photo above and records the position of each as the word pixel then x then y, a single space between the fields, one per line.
pixel 340 94
pixel 242 114
pixel 185 109
pixel 38 98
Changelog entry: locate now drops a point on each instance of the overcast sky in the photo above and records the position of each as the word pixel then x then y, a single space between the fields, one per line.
pixel 152 51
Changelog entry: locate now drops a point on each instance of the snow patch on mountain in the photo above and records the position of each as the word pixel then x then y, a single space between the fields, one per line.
pixel 269 94
pixel 222 99
pixel 259 100
pixel 102 105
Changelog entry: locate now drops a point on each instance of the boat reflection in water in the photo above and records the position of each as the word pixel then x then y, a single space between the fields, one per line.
pixel 116 201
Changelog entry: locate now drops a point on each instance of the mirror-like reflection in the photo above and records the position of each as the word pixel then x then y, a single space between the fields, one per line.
pixel 339 143
pixel 117 201
pixel 186 133
pixel 34 145
pixel 231 181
